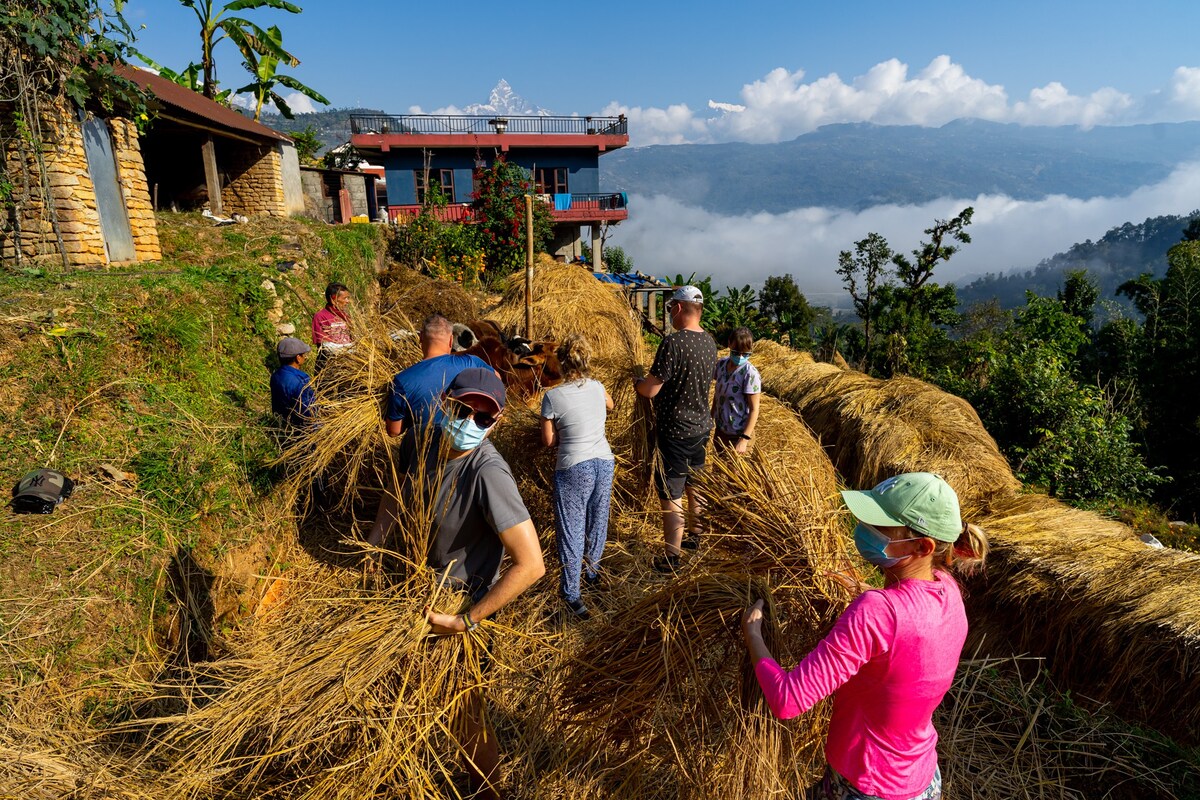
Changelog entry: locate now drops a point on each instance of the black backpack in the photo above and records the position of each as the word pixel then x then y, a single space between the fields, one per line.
pixel 41 491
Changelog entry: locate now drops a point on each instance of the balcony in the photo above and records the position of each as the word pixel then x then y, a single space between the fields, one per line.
pixel 384 131
pixel 456 212
pixel 582 208
pixel 440 124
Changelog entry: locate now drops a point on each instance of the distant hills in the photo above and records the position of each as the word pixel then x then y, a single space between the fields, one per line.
pixel 1120 255
pixel 332 125
pixel 856 166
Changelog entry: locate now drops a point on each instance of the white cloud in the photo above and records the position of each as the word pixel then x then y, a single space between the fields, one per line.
pixel 783 104
pixel 676 124
pixel 666 237
pixel 299 103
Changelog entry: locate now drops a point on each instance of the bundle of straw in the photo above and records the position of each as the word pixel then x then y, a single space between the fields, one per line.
pixel 668 681
pixel 1114 618
pixel 347 448
pixel 416 296
pixel 336 694
pixel 878 428
pixel 777 508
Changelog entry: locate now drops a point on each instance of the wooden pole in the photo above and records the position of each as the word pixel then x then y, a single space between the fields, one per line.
pixel 211 177
pixel 529 267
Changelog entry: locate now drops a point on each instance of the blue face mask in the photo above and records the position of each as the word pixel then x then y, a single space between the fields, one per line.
pixel 739 359
pixel 464 433
pixel 872 545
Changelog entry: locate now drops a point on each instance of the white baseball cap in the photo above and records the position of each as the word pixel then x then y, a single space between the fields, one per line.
pixel 688 294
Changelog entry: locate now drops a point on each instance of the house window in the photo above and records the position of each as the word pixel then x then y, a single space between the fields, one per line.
pixel 441 178
pixel 552 180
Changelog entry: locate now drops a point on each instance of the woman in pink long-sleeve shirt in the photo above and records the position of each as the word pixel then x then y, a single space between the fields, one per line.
pixel 891 656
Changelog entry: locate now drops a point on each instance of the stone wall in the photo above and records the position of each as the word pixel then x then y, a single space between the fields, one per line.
pixel 255 181
pixel 131 172
pixel 68 227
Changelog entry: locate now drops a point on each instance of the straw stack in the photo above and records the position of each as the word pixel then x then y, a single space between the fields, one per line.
pixel 569 300
pixel 1116 620
pixel 666 684
pixel 876 428
pixel 417 296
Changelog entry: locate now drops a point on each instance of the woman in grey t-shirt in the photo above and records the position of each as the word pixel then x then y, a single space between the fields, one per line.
pixel 573 416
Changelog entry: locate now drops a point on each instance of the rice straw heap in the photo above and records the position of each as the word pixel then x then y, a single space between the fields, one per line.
pixel 1116 620
pixel 877 428
pixel 333 691
pixel 417 296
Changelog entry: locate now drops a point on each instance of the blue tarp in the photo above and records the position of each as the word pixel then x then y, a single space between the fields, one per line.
pixel 623 279
pixel 562 202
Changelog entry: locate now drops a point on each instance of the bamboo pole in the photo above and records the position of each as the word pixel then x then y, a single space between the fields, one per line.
pixel 529 267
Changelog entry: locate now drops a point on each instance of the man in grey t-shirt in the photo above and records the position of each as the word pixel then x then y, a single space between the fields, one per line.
pixel 478 517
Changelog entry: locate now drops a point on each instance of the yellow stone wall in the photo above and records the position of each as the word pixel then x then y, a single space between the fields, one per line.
pixel 131 172
pixel 255 182
pixel 72 198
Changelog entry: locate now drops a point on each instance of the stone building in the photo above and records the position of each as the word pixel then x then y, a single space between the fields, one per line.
pixel 338 195
pixel 199 154
pixel 81 190
pixel 77 198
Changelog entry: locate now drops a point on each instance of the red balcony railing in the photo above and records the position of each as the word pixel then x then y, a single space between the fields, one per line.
pixel 458 212
pixel 563 207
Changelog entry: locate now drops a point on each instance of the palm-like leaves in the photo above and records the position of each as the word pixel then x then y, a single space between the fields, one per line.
pixel 248 37
pixel 262 66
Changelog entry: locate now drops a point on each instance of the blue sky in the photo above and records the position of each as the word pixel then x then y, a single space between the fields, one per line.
pixel 777 70
pixel 1104 63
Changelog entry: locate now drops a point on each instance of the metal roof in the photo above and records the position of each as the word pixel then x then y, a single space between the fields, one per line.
pixel 184 99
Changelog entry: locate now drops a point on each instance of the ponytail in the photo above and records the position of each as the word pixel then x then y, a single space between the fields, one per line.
pixel 966 555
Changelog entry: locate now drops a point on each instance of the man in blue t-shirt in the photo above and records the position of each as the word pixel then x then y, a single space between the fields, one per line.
pixel 291 390
pixel 414 402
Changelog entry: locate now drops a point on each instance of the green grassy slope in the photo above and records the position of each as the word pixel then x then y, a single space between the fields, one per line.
pixel 159 374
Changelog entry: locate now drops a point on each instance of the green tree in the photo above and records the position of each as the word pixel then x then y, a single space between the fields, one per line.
pixel 499 207
pixel 75 44
pixel 216 24
pixel 737 308
pixel 782 302
pixel 918 300
pixel 1170 367
pixel 264 69
pixel 863 273
pixel 307 144
pixel 617 261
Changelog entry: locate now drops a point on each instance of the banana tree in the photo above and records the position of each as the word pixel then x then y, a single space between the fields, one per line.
pixel 188 77
pixel 263 66
pixel 215 26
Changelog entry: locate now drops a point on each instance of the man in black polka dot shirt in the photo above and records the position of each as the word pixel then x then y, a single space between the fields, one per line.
pixel 679 384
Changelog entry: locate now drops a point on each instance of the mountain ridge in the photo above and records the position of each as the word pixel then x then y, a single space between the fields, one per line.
pixel 858 165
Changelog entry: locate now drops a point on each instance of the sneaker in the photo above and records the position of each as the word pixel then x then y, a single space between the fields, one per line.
pixel 667 563
pixel 591 578
pixel 578 609
pixel 691 541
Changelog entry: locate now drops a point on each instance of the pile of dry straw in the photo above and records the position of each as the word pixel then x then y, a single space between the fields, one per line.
pixel 332 689
pixel 1113 617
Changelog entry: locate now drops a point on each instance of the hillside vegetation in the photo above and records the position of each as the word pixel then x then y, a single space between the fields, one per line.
pixel 149 388
pixel 1121 254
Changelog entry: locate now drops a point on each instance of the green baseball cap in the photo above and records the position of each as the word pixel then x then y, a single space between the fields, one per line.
pixel 920 501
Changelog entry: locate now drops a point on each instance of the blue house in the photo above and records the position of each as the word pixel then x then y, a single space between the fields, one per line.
pixel 421 151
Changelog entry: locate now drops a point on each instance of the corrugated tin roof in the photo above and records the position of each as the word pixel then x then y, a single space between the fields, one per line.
pixel 184 99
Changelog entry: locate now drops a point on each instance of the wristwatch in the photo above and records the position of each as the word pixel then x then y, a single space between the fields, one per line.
pixel 743 436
